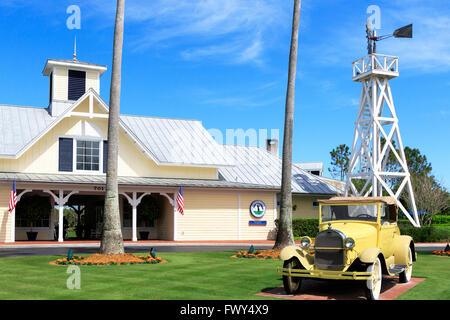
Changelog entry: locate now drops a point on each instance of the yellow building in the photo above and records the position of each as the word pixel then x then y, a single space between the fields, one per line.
pixel 58 153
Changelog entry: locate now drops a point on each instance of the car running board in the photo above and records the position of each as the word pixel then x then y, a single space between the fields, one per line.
pixel 396 269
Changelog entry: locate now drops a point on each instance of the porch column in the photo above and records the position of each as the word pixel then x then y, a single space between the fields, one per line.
pixel 134 202
pixel 61 201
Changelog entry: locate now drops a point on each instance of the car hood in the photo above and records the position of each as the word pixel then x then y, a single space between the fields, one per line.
pixel 357 231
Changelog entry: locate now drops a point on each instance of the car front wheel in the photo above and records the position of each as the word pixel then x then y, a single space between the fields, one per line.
pixel 405 276
pixel 373 284
pixel 292 284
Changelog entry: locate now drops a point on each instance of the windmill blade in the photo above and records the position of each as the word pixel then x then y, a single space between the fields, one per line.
pixel 404 32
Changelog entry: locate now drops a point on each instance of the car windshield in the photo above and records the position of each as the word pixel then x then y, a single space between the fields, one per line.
pixel 365 212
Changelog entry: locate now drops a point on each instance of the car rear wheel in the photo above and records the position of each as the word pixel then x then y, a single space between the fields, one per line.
pixel 373 284
pixel 292 284
pixel 405 276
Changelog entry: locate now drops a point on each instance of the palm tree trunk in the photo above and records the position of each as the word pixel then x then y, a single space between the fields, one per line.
pixel 112 240
pixel 284 233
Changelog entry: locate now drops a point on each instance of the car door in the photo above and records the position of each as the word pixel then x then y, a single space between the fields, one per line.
pixel 387 232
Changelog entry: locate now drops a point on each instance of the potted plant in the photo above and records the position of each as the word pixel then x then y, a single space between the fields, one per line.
pixel 148 211
pixel 33 208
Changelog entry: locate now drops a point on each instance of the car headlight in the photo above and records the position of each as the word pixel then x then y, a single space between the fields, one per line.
pixel 305 242
pixel 349 243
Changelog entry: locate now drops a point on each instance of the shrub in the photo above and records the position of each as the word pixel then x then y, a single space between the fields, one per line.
pixel 305 227
pixel 441 219
pixel 425 234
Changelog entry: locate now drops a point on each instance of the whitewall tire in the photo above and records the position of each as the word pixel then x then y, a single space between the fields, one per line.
pixel 373 284
pixel 405 276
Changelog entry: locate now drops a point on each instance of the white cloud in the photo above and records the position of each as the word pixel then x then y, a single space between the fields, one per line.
pixel 232 31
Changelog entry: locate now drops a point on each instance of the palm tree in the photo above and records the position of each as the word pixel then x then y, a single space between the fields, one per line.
pixel 112 240
pixel 284 233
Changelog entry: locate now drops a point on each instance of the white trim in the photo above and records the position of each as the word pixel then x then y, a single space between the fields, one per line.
pixel 72 66
pixel 100 156
pixel 175 218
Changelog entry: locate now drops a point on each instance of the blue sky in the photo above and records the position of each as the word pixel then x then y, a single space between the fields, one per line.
pixel 225 63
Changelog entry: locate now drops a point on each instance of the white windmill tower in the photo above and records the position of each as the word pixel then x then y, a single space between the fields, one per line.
pixel 378 161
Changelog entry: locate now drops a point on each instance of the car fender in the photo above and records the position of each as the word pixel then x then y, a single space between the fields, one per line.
pixel 369 255
pixel 401 246
pixel 305 259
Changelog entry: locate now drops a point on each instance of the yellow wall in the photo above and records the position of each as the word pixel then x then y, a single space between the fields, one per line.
pixel 5 216
pixel 92 81
pixel 304 208
pixel 215 216
pixel 60 84
pixel 257 232
pixel 164 225
pixel 42 157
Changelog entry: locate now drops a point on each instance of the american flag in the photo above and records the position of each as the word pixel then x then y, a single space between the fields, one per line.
pixel 180 201
pixel 13 199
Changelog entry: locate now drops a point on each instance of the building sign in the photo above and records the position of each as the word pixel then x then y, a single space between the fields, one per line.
pixel 257 208
pixel 257 223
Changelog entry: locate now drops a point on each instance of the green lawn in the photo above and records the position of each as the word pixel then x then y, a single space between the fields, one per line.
pixel 188 275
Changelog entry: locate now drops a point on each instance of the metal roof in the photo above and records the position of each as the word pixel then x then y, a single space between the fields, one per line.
pixel 20 125
pixel 170 142
pixel 72 63
pixel 257 165
pixel 179 142
pixel 167 141
pixel 133 181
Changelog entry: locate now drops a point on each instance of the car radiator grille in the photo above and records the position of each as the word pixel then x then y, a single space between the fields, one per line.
pixel 329 259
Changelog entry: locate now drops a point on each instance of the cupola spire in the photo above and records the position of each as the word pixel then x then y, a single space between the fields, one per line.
pixel 75 49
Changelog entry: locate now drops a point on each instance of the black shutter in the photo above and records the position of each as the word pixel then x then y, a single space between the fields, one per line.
pixel 65 154
pixel 77 84
pixel 105 155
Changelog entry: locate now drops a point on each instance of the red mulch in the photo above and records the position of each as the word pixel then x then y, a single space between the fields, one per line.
pixel 106 259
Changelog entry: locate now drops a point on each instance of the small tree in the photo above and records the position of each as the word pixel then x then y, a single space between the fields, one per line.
pixel 340 159
pixel 431 198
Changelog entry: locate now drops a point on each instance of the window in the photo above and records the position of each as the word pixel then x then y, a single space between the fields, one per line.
pixel 388 213
pixel 367 212
pixel 88 155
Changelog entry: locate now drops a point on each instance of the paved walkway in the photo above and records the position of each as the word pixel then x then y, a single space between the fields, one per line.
pixel 47 248
pixel 342 290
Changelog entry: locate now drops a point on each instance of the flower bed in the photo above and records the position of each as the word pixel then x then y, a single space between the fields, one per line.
pixel 106 260
pixel 442 253
pixel 258 254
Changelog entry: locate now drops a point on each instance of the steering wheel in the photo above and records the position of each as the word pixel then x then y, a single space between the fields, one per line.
pixel 364 215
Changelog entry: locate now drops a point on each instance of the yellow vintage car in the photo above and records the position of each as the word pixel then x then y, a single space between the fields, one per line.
pixel 358 239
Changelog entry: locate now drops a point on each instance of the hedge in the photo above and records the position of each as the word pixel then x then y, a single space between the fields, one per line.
pixel 437 219
pixel 425 234
pixel 441 219
pixel 305 227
